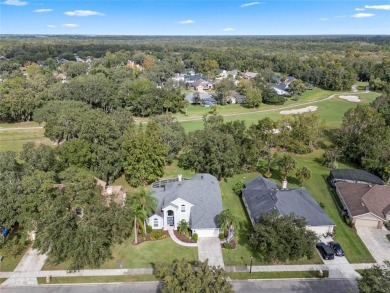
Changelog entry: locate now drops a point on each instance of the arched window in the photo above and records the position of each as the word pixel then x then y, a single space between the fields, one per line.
pixel 183 208
pixel 155 223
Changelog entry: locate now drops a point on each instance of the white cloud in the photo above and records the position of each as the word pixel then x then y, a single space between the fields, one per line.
pixel 70 25
pixel 250 4
pixel 15 2
pixel 362 15
pixel 228 29
pixel 43 10
pixel 380 7
pixel 323 19
pixel 340 16
pixel 51 26
pixel 360 9
pixel 83 13
pixel 188 21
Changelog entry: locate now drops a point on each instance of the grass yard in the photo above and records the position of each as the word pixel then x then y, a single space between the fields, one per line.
pixel 2 280
pixel 9 263
pixel 277 275
pixel 13 140
pixel 127 256
pixel 97 279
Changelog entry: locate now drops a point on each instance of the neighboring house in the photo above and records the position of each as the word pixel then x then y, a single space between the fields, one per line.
pixel 202 84
pixel 249 75
pixel 221 73
pixel 367 205
pixel 193 78
pixel 280 89
pixel 233 73
pixel 132 65
pixel 262 195
pixel 236 98
pixel 205 98
pixel 281 85
pixel 353 176
pixel 197 200
pixel 115 191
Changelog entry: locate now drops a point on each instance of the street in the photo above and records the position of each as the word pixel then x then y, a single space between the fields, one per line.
pixel 264 286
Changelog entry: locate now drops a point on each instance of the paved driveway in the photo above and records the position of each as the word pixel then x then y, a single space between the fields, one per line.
pixel 376 242
pixel 210 248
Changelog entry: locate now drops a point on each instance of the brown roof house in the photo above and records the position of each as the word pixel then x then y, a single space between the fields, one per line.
pixel 367 205
pixel 115 191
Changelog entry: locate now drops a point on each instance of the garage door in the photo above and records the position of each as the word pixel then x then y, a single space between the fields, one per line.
pixel 367 223
pixel 207 232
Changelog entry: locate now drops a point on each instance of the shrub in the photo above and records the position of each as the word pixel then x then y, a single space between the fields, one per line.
pixel 322 204
pixel 157 234
pixel 221 236
pixel 237 188
pixel 149 229
pixel 388 237
pixel 227 245
pixel 195 237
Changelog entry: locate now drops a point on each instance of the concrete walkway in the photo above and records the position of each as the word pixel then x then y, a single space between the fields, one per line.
pixel 24 274
pixel 176 240
pixel 210 248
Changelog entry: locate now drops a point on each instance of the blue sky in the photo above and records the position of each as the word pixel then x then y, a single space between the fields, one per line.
pixel 190 17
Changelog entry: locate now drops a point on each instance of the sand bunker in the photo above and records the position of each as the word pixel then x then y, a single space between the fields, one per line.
pixel 354 99
pixel 299 111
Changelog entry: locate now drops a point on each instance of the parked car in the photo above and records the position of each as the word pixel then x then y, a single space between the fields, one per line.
pixel 336 247
pixel 325 250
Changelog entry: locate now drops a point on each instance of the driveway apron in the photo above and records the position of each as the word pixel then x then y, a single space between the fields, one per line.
pixel 210 248
pixel 376 242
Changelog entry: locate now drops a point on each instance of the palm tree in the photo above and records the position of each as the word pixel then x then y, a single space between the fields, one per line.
pixel 183 227
pixel 146 201
pixel 140 216
pixel 225 220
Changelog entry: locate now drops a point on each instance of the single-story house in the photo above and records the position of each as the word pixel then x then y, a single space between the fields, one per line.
pixel 249 75
pixel 236 98
pixel 281 89
pixel 197 200
pixel 202 84
pixel 262 195
pixel 353 176
pixel 366 204
pixel 115 191
pixel 193 78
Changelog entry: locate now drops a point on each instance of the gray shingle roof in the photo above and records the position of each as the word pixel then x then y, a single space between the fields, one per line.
pixel 262 195
pixel 202 191
pixel 355 175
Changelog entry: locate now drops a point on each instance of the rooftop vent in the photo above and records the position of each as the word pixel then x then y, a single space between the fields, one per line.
pixel 362 204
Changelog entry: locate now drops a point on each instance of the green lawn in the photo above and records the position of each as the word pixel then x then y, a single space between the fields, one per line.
pixel 97 279
pixel 331 111
pixel 126 255
pixel 13 140
pixel 2 280
pixel 276 275
pixel 19 124
pixel 9 263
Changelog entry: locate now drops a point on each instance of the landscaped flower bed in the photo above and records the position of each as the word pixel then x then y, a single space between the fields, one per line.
pixel 152 236
pixel 229 245
pixel 183 238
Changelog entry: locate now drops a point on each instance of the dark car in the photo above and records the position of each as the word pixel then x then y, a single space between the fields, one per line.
pixel 325 250
pixel 336 247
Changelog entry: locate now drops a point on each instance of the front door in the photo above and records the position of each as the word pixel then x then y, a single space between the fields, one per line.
pixel 170 219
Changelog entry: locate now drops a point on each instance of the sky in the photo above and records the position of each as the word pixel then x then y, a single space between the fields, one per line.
pixel 195 17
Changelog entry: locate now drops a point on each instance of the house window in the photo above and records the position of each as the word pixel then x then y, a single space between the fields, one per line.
pixel 183 208
pixel 155 223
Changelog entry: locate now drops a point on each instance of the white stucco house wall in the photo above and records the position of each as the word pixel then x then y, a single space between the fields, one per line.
pixel 196 200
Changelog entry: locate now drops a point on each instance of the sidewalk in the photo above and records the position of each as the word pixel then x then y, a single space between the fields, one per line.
pixel 24 274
